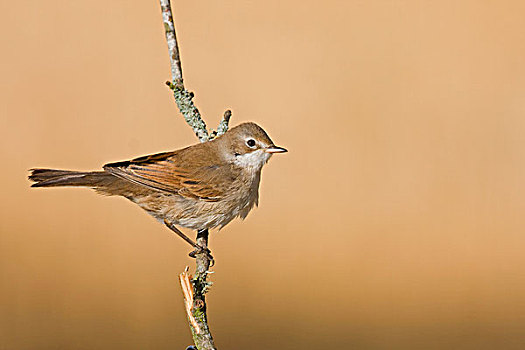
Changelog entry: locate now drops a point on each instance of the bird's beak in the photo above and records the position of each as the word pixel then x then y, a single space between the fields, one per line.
pixel 275 149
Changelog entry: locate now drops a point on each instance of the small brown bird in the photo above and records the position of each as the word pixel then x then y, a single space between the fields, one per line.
pixel 199 187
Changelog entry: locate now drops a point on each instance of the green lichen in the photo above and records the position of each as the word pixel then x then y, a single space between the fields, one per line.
pixel 184 100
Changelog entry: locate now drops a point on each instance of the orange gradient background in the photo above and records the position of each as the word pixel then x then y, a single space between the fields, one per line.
pixel 396 221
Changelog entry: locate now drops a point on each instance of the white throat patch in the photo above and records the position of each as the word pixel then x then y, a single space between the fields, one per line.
pixel 252 161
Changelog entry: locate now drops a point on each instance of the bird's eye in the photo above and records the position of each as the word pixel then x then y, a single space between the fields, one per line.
pixel 250 143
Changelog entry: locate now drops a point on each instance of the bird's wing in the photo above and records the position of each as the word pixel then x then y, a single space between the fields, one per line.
pixel 166 172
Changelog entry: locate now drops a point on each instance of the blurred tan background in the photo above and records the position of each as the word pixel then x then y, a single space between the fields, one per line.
pixel 394 222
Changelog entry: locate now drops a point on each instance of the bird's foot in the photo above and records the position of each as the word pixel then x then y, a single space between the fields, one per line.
pixel 202 250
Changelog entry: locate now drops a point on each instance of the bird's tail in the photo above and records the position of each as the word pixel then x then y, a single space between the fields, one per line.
pixel 54 178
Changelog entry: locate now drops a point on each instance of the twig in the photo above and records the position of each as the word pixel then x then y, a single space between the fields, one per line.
pixel 173 47
pixel 223 125
pixel 202 339
pixel 194 299
pixel 183 97
pixel 187 291
pixel 193 293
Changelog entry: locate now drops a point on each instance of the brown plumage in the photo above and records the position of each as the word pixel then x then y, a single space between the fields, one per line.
pixel 199 187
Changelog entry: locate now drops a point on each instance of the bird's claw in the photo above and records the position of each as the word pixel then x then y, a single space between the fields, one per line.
pixel 202 250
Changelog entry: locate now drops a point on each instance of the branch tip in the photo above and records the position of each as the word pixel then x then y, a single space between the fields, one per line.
pixel 224 124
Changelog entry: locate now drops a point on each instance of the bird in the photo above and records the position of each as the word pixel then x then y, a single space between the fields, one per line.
pixel 200 187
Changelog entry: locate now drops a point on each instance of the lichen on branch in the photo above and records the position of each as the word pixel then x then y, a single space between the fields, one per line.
pixel 183 97
pixel 194 294
pixel 191 114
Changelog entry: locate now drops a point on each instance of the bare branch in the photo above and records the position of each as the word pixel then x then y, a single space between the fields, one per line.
pixel 171 38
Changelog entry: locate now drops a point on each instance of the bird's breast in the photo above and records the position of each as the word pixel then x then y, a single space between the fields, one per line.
pixel 197 214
